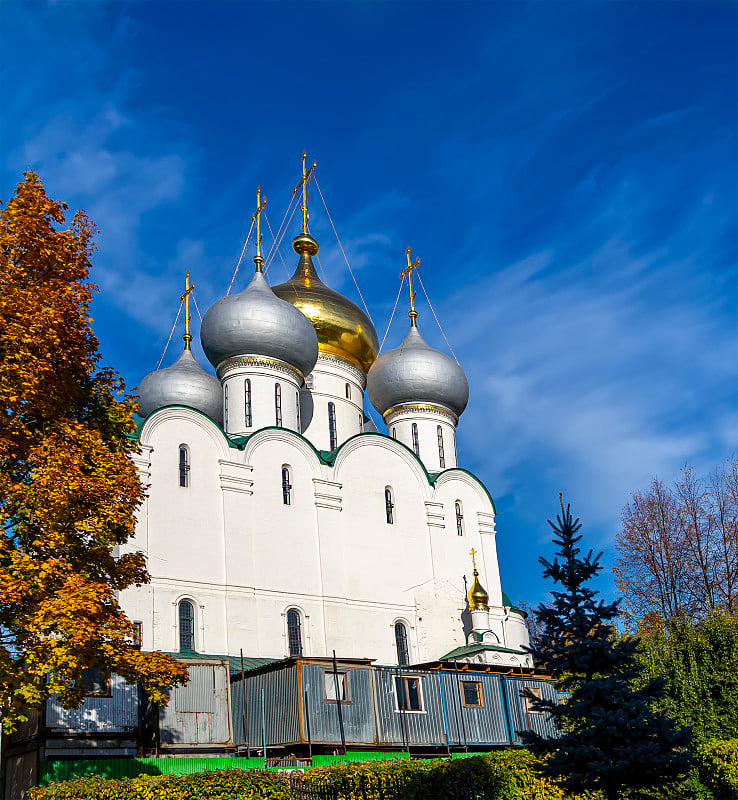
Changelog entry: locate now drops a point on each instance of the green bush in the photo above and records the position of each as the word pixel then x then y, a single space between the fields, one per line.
pixel 231 784
pixel 717 764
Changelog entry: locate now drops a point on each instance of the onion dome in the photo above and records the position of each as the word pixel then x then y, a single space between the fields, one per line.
pixel 416 373
pixel 477 595
pixel 343 329
pixel 185 383
pixel 256 322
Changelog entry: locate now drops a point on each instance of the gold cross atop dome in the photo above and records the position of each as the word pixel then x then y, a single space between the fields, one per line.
pixel 186 298
pixel 477 596
pixel 258 259
pixel 413 314
pixel 304 185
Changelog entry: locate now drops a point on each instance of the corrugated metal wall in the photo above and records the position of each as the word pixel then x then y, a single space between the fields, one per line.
pixel 115 714
pixel 519 720
pixel 414 727
pixel 281 712
pixel 198 714
pixel 357 712
pixel 468 725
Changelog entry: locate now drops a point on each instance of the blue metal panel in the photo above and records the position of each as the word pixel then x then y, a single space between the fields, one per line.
pixel 483 724
pixel 395 727
pixel 115 714
pixel 272 707
pixel 519 719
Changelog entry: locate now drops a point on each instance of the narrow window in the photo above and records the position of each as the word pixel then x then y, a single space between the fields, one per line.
pixel 459 519
pixel 294 634
pixel 297 410
pixel 401 643
pixel 225 404
pixel 361 423
pixel 247 402
pixel 186 625
pixel 96 682
pixel 309 381
pixel 278 404
pixel 441 455
pixel 416 443
pixel 332 425
pixel 348 391
pixel 394 433
pixel 407 691
pixel 330 681
pixel 286 486
pixel 184 466
pixel 389 506
pixel 472 691
pixel 138 633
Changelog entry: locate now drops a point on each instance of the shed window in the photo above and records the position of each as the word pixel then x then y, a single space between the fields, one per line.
pixel 184 466
pixel 530 709
pixel 441 454
pixel 407 692
pixel 459 518
pixel 286 486
pixel 294 632
pixel 330 679
pixel 416 443
pixel 472 691
pixel 96 682
pixel 278 404
pixel 332 425
pixel 186 625
pixel 248 421
pixel 389 506
pixel 401 643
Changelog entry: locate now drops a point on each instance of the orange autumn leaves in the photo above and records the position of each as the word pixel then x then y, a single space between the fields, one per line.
pixel 68 487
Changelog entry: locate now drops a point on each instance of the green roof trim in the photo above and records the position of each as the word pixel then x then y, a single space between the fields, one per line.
pixel 327 457
pixel 471 649
pixel 234 662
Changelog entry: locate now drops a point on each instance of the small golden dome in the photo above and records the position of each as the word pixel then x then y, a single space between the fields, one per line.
pixel 343 329
pixel 477 596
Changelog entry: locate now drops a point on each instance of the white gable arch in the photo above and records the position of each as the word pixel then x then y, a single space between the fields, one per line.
pixel 286 436
pixel 451 476
pixel 169 414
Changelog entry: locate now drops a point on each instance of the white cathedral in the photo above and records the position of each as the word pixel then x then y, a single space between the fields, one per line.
pixel 280 522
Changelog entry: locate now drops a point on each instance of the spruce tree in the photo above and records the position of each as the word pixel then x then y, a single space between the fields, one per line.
pixel 610 737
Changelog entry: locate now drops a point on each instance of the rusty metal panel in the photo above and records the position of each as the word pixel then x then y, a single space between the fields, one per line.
pixel 117 713
pixel 357 711
pixel 198 714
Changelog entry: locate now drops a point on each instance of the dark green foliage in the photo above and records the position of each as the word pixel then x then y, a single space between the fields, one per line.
pixel 700 664
pixel 613 738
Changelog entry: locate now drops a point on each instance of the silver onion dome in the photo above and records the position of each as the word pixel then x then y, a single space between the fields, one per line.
pixel 185 383
pixel 416 373
pixel 256 322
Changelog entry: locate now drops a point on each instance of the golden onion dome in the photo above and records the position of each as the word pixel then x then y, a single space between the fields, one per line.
pixel 477 596
pixel 343 329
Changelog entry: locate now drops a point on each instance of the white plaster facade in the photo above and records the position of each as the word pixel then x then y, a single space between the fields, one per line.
pixel 228 543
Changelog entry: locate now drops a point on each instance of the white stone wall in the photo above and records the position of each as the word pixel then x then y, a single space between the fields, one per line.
pixel 231 545
pixel 428 420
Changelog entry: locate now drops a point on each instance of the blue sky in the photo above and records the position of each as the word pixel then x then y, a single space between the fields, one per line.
pixel 567 172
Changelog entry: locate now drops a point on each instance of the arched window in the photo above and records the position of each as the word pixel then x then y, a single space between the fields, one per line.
pixel 225 405
pixel 294 632
pixel 297 410
pixel 459 518
pixel 441 454
pixel 247 402
pixel 332 426
pixel 389 505
pixel 416 443
pixel 184 466
pixel 403 656
pixel 278 404
pixel 348 391
pixel 186 625
pixel 309 381
pixel 394 433
pixel 286 486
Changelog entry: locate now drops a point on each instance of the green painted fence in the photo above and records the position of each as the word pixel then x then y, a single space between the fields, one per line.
pixel 52 771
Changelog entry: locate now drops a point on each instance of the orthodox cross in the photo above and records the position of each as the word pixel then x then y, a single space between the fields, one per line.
pixel 472 553
pixel 303 184
pixel 413 314
pixel 258 259
pixel 186 298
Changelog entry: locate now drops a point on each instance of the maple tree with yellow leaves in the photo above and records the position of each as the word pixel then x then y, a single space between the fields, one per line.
pixel 68 487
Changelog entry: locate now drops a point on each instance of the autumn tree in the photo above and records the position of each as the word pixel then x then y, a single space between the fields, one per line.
pixel 68 487
pixel 677 549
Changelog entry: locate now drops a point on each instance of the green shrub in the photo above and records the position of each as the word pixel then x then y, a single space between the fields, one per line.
pixel 717 763
pixel 232 784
